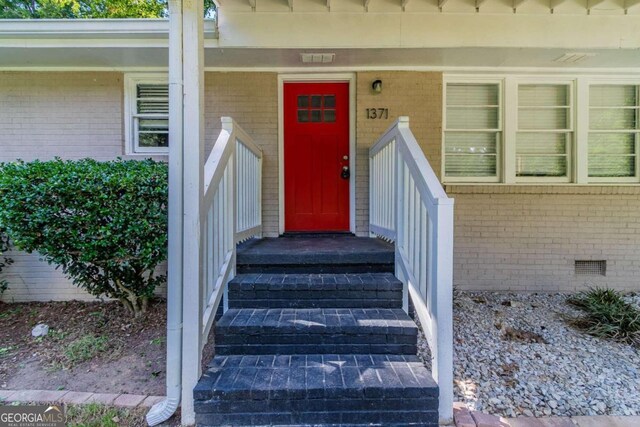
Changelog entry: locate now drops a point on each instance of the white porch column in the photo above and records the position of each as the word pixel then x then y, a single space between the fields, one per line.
pixel 193 154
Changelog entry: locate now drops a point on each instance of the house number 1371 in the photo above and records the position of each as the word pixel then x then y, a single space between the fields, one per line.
pixel 377 113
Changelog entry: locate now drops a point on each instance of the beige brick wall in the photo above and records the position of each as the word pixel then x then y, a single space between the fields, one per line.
pixel 71 115
pixel 252 100
pixel 527 238
pixel 414 94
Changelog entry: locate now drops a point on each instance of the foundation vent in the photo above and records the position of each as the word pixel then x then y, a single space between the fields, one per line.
pixel 591 268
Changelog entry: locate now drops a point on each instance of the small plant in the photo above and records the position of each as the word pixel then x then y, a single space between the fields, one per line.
pixel 85 348
pixel 607 315
pixel 103 223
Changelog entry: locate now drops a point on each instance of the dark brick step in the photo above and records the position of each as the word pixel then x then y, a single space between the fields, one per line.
pixel 308 331
pixel 370 290
pixel 306 254
pixel 316 389
pixel 323 419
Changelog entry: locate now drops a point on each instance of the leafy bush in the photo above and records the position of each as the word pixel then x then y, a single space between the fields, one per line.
pixel 104 223
pixel 607 315
pixel 5 245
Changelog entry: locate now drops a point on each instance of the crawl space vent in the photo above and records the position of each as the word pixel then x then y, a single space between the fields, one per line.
pixel 591 268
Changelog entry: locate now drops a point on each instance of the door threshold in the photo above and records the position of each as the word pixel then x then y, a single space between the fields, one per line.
pixel 316 234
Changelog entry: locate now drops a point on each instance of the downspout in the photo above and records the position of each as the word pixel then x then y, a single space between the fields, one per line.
pixel 163 410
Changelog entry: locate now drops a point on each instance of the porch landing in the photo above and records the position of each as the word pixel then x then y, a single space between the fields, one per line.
pixel 326 253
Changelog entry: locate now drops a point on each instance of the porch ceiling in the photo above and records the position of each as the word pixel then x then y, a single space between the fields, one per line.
pixel 156 58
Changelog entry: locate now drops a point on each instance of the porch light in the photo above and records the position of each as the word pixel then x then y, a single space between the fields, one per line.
pixel 376 86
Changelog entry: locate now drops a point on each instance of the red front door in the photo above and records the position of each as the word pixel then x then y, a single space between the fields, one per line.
pixel 316 151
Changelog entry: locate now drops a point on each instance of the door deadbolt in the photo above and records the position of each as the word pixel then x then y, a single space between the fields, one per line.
pixel 346 173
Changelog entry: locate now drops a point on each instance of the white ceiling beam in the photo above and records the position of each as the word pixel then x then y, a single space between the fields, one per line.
pixel 554 3
pixel 628 4
pixel 517 4
pixel 404 4
pixel 441 3
pixel 591 4
pixel 366 5
pixel 290 3
pixel 252 3
pixel 329 5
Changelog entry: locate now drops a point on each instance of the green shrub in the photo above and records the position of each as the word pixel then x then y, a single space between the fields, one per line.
pixel 607 315
pixel 5 245
pixel 103 223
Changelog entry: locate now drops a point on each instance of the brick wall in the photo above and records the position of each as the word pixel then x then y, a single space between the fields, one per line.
pixel 70 115
pixel 414 94
pixel 252 100
pixel 528 238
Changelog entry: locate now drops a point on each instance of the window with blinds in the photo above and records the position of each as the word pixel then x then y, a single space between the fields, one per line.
pixel 613 131
pixel 151 117
pixel 473 131
pixel 544 136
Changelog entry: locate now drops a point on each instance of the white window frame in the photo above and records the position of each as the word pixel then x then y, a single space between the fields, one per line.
pixel 580 84
pixel 131 81
pixel 500 131
pixel 515 105
pixel 600 81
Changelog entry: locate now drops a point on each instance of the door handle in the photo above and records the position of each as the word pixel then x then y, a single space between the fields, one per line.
pixel 346 173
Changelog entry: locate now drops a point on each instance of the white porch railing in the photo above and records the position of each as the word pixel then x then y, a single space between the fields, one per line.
pixel 232 212
pixel 409 207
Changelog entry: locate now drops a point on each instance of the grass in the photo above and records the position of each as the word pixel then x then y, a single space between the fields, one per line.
pixel 607 315
pixel 97 415
pixel 85 348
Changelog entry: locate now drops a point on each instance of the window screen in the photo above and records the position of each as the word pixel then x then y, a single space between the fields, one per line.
pixel 151 118
pixel 613 130
pixel 543 141
pixel 473 130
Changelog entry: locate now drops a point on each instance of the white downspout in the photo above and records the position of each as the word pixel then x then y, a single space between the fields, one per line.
pixel 163 410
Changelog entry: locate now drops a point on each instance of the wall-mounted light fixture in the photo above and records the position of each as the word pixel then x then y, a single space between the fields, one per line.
pixel 376 86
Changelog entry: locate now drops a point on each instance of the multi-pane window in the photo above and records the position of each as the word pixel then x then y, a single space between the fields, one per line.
pixel 542 129
pixel 543 140
pixel 613 131
pixel 473 131
pixel 148 115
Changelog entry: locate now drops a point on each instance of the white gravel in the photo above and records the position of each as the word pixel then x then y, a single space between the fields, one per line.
pixel 570 374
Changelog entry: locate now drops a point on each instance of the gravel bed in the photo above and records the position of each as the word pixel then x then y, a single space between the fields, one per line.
pixel 515 355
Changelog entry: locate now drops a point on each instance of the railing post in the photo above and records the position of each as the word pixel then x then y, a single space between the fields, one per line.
pixel 442 306
pixel 399 225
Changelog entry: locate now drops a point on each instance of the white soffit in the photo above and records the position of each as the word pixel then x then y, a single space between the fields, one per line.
pixel 345 59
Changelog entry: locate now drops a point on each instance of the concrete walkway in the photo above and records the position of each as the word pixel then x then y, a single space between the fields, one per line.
pixel 463 417
pixel 79 397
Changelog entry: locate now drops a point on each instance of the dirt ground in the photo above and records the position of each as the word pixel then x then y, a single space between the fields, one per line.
pixel 91 346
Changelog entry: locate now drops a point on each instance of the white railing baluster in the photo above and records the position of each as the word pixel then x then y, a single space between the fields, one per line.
pixel 230 212
pixel 409 207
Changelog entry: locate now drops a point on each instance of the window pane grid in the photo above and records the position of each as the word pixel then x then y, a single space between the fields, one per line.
pixel 543 139
pixel 473 128
pixel 613 131
pixel 151 116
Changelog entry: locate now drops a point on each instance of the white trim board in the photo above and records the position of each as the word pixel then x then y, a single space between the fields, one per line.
pixel 318 77
pixel 468 72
